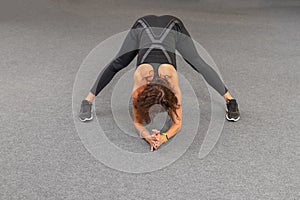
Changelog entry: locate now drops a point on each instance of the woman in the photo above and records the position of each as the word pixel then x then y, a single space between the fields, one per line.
pixel 154 39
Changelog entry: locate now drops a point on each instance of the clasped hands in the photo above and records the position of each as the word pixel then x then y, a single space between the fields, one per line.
pixel 155 139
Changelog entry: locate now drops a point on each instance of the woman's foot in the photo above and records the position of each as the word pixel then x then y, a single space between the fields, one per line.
pixel 232 111
pixel 85 111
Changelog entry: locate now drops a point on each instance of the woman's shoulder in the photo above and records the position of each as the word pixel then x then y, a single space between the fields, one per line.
pixel 137 90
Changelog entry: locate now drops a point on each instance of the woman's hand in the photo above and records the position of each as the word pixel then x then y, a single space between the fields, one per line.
pixel 160 139
pixel 156 139
pixel 152 141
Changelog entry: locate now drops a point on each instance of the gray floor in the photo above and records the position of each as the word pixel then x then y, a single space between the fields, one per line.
pixel 256 45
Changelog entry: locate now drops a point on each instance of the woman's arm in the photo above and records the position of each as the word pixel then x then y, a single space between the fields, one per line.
pixel 151 139
pixel 176 123
pixel 176 120
pixel 140 127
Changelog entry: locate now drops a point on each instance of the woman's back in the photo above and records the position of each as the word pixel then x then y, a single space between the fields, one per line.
pixel 157 37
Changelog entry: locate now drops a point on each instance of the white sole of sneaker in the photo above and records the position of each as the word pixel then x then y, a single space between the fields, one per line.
pixel 86 119
pixel 232 119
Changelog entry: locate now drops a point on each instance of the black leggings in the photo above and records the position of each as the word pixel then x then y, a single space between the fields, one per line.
pixel 152 47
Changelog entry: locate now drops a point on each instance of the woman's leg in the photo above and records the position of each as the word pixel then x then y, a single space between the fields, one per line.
pixel 187 49
pixel 126 54
pixel 90 97
pixel 227 96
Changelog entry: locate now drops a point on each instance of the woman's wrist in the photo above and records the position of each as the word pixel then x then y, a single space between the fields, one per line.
pixel 147 137
pixel 165 136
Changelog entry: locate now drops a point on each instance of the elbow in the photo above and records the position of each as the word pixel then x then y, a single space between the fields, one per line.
pixel 137 124
pixel 177 126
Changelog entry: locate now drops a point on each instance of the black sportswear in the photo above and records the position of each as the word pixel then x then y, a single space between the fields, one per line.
pixel 154 39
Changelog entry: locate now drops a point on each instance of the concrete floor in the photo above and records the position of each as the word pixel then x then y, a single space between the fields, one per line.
pixel 256 46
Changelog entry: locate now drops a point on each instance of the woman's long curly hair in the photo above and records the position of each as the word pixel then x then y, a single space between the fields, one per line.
pixel 156 92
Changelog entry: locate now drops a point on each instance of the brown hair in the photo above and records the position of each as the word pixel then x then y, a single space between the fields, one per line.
pixel 155 92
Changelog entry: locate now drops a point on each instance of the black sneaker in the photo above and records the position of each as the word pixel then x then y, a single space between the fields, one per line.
pixel 232 111
pixel 85 111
